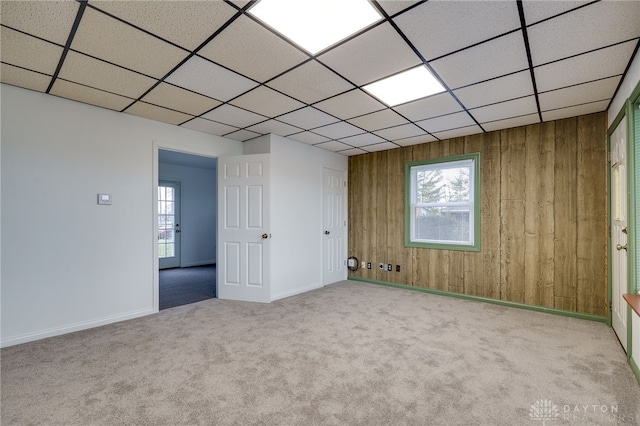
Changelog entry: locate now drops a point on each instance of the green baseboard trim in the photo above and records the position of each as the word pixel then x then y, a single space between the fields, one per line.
pixel 588 317
pixel 635 369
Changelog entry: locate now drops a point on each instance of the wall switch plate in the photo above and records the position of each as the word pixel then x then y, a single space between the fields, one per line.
pixel 104 199
pixel 362 264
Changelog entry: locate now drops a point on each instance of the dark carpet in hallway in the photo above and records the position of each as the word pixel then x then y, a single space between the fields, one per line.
pixel 181 286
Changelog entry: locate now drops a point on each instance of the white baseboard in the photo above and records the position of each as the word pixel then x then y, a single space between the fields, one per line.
pixel 293 292
pixel 30 337
pixel 202 263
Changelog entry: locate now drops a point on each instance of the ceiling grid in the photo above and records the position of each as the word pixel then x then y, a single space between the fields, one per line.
pixel 213 67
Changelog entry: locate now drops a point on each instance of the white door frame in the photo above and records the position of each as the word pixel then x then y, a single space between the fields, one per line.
pixel 167 146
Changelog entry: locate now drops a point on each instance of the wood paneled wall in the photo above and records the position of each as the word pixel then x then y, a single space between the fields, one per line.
pixel 543 217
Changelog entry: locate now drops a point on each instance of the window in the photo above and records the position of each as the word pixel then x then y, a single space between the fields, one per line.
pixel 443 204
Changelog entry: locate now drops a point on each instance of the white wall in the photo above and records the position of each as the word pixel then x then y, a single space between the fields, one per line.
pixel 68 263
pixel 296 214
pixel 198 213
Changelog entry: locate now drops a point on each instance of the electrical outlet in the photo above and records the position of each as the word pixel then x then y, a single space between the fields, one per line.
pixel 368 265
pixel 362 264
pixel 381 266
pixel 397 268
pixel 389 267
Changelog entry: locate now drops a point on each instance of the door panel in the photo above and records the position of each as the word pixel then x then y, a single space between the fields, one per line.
pixel 169 224
pixel 334 226
pixel 618 200
pixel 244 269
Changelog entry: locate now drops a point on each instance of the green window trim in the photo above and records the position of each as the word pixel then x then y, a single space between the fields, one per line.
pixel 475 204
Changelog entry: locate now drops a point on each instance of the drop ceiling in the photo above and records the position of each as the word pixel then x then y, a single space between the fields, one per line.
pixel 210 66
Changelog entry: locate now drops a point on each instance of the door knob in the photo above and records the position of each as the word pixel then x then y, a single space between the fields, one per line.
pixel 619 247
pixel 177 231
pixel 265 236
pixel 327 232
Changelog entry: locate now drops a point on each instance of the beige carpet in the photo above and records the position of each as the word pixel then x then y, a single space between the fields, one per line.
pixel 348 354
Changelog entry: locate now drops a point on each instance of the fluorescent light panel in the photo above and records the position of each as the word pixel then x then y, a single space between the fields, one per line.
pixel 315 24
pixel 406 86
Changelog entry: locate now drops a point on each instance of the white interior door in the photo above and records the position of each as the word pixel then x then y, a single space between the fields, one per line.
pixel 334 226
pixel 243 228
pixel 619 235
pixel 169 224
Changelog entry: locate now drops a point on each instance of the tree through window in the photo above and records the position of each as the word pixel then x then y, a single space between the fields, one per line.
pixel 442 203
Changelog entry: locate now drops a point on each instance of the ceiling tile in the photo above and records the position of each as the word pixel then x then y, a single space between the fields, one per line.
pixel 308 137
pixel 497 90
pixel 378 120
pixel 101 75
pixel 537 10
pixel 432 106
pixel 307 118
pixel 311 82
pixel 106 38
pixel 233 116
pixel 352 151
pixel 446 122
pixel 168 96
pixel 29 52
pixel 208 126
pixel 495 58
pixel 581 94
pixel 242 135
pixel 250 49
pixel 400 132
pixel 202 76
pixel 457 133
pixel 415 140
pixel 185 23
pixel 514 108
pixel 393 7
pixel 371 56
pixel 363 139
pixel 350 104
pixel 23 78
pixel 89 95
pixel 338 130
pixel 591 27
pixel 267 102
pixel 380 147
pixel 333 146
pixel 50 20
pixel 157 113
pixel 580 69
pixel 439 27
pixel 511 122
pixel 275 127
pixel 575 110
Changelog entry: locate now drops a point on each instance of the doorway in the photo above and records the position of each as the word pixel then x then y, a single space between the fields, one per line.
pixel 186 228
pixel 619 232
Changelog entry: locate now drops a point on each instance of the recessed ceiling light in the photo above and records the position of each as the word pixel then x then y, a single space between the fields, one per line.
pixel 315 24
pixel 406 86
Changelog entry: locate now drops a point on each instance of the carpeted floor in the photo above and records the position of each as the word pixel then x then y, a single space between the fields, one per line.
pixel 181 286
pixel 347 354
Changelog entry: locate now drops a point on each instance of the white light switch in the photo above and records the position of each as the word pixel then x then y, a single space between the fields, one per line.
pixel 104 199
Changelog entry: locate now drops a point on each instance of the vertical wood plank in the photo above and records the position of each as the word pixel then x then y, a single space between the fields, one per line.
pixel 397 253
pixel 368 196
pixel 538 221
pixel 490 164
pixel 512 214
pixel 565 215
pixel 592 294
